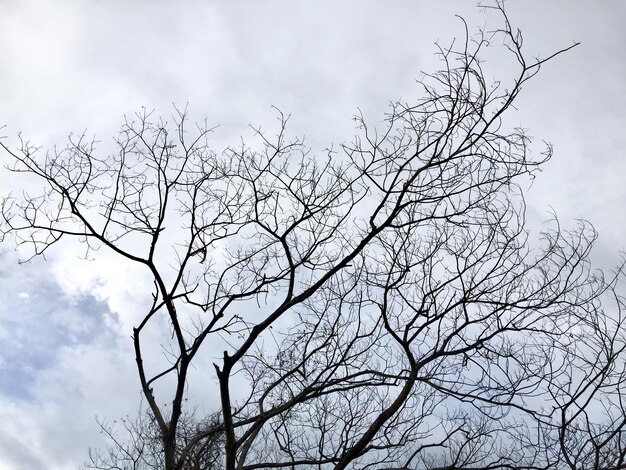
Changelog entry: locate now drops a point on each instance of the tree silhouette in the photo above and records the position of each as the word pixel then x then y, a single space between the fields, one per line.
pixel 380 306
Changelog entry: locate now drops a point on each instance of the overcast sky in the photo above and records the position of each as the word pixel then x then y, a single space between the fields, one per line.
pixel 66 66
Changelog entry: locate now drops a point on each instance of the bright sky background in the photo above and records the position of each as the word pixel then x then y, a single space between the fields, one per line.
pixel 66 66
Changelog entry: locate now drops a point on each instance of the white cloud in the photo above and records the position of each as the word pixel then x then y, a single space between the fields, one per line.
pixel 57 425
pixel 62 362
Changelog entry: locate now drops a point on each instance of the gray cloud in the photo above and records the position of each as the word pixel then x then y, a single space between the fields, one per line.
pixel 38 321
pixel 20 454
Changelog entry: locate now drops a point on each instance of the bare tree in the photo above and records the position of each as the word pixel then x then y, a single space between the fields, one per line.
pixel 139 447
pixel 380 306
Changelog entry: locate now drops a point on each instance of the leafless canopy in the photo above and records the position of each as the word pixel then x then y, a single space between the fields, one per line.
pixel 380 306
